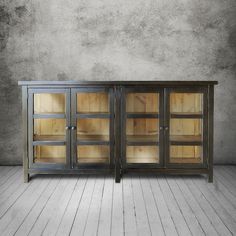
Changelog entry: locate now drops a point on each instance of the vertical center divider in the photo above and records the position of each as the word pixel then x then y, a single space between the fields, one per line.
pixel 117 133
pixel 73 133
pixel 166 123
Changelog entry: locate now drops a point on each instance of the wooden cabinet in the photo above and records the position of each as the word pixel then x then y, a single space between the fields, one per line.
pixel 102 127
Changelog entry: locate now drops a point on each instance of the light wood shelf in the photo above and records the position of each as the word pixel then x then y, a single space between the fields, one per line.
pixel 142 115
pixel 59 160
pixel 186 115
pixel 189 160
pixel 93 160
pixel 49 137
pixel 93 137
pixel 136 160
pixel 186 138
pixel 142 138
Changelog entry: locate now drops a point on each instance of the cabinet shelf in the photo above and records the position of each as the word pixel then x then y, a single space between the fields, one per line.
pixel 142 115
pixel 142 140
pixel 58 115
pixel 100 160
pixel 185 115
pixel 186 139
pixel 50 160
pixel 93 115
pixel 49 137
pixel 135 160
pixel 189 160
pixel 49 140
pixel 93 139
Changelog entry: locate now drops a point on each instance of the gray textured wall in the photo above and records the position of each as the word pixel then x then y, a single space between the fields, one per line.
pixel 117 40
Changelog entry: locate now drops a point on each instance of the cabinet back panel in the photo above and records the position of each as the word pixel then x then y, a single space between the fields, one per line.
pixel 49 126
pixel 142 126
pixel 186 126
pixel 93 154
pixel 186 102
pixel 185 154
pixel 93 126
pixel 142 154
pixel 50 154
pixel 142 102
pixel 49 103
pixel 92 102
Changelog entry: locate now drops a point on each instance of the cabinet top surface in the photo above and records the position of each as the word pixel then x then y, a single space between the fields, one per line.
pixel 111 83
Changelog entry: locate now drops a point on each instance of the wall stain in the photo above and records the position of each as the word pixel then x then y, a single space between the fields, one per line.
pixel 62 76
pixel 101 72
pixel 21 11
pixel 4 15
pixel 4 27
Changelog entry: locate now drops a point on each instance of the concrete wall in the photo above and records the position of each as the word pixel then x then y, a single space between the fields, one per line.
pixel 117 40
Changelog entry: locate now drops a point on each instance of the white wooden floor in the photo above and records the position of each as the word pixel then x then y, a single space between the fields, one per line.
pixel 139 205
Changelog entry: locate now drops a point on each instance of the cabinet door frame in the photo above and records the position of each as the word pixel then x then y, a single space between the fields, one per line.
pixel 31 116
pixel 91 89
pixel 204 91
pixel 160 145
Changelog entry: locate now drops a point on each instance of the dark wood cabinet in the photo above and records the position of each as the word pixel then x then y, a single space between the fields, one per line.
pixel 81 127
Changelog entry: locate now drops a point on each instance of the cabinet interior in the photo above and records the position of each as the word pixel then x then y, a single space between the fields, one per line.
pixel 186 128
pixel 49 103
pixel 93 154
pixel 92 129
pixel 142 102
pixel 49 154
pixel 142 154
pixel 96 102
pixel 142 127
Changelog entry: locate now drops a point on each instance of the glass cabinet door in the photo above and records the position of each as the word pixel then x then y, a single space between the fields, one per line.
pixel 143 117
pixel 92 121
pixel 185 131
pixel 49 119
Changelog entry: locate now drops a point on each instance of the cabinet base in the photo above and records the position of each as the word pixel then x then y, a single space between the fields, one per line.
pixel 119 173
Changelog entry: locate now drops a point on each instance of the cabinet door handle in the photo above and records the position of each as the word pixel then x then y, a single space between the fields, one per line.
pixel 166 128
pixel 161 128
pixel 73 127
pixel 67 127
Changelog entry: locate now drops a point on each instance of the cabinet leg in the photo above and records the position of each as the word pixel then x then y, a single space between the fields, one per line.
pixel 26 177
pixel 117 174
pixel 210 177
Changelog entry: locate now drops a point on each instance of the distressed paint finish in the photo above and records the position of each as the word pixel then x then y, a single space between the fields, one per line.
pixel 117 40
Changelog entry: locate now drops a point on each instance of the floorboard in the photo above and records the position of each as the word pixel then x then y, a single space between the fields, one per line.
pixel 96 205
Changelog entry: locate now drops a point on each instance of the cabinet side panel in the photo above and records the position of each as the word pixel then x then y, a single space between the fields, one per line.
pixel 25 132
pixel 211 130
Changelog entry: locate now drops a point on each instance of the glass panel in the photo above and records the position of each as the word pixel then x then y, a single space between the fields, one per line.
pixel 186 154
pixel 50 154
pixel 142 154
pixel 186 129
pixel 49 103
pixel 93 154
pixel 93 129
pixel 92 102
pixel 142 102
pixel 189 103
pixel 49 129
pixel 142 129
